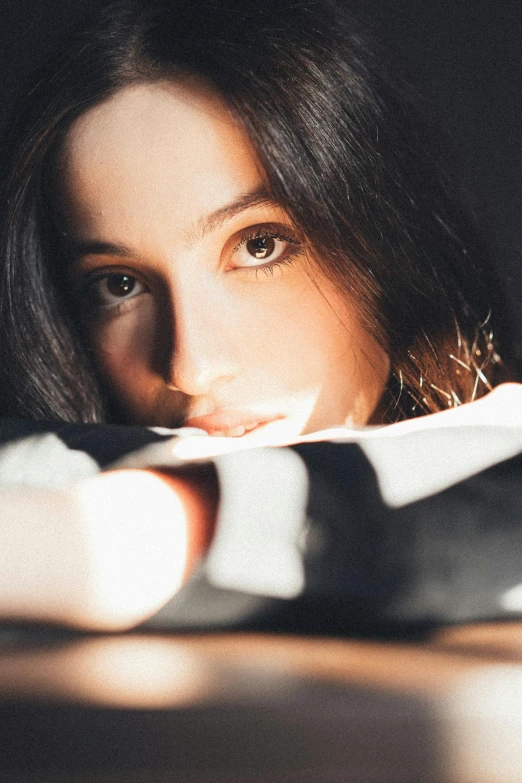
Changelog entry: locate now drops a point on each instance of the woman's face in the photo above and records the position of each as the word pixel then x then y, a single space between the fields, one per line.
pixel 198 296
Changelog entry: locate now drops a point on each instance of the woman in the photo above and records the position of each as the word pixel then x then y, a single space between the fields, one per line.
pixel 232 218
pixel 338 145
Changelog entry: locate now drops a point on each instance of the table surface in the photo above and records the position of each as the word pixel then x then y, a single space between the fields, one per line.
pixel 238 708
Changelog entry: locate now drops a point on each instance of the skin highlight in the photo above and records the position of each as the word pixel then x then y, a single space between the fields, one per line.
pixel 200 299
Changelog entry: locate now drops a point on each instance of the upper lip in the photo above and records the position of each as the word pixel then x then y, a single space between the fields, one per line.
pixel 227 421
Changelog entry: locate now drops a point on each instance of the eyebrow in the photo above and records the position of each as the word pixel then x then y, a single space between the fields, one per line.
pixel 205 225
pixel 216 219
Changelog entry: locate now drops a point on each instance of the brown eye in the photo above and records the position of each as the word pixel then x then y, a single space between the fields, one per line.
pixel 111 289
pixel 265 246
pixel 120 285
pixel 261 247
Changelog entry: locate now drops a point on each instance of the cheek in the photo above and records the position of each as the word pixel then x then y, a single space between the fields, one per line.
pixel 124 348
pixel 277 352
pixel 335 357
pixel 305 334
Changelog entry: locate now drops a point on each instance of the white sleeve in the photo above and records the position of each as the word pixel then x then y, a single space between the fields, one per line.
pixel 261 523
pixel 420 457
pixel 264 491
pixel 43 460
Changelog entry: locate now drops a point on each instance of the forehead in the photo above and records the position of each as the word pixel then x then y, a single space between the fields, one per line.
pixel 166 147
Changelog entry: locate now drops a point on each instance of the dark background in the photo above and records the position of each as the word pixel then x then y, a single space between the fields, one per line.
pixel 464 55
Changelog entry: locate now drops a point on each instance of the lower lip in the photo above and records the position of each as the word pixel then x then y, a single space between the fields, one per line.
pixel 238 431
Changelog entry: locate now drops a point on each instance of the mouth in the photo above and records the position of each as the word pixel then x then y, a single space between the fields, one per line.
pixel 231 423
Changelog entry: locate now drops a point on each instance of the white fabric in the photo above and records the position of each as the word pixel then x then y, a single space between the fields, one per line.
pixel 417 458
pixel 43 461
pixel 256 545
pixel 264 491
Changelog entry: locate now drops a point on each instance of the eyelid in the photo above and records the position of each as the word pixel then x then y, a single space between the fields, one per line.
pixel 81 279
pixel 272 230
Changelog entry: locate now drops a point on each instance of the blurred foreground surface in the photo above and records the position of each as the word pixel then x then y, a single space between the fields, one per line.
pixel 262 709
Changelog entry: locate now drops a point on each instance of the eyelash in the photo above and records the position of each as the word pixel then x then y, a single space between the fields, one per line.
pixel 265 233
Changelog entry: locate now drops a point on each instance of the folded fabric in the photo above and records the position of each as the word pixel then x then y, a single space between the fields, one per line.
pixel 406 525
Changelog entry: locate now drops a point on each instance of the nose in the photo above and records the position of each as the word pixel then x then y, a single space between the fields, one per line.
pixel 202 355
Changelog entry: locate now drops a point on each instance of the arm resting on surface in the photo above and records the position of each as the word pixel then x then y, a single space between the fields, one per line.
pixel 105 553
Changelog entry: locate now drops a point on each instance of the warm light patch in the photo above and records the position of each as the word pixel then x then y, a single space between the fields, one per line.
pixel 136 533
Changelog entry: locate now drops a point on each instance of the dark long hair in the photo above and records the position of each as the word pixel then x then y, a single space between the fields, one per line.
pixel 346 152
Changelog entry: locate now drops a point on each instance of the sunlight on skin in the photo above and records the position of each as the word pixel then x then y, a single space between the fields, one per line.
pixel 200 311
